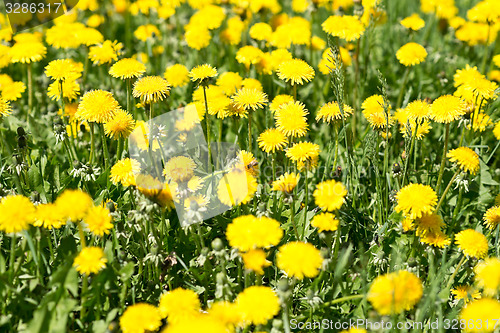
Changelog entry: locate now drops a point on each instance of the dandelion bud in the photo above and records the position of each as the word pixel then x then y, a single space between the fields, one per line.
pixel 278 324
pixel 217 244
pixel 35 196
pixel 283 285
pixel 21 142
pixel 21 131
pixel 110 206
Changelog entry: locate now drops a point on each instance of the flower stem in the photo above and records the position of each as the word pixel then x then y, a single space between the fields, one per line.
pixel 452 277
pixel 207 122
pixel 92 143
pixel 447 189
pixel 104 146
pixel 292 217
pixel 403 86
pixel 306 203
pixel 443 159
pixel 30 91
pixel 12 256
pixel 250 131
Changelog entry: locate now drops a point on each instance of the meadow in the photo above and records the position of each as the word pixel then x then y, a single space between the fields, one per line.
pixel 237 166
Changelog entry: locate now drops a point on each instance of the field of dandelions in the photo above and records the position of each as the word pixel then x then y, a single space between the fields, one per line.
pixel 364 186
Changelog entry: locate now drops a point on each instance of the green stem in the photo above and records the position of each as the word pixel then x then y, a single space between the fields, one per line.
pixel 403 86
pixel 104 146
pixel 452 277
pixel 447 189
pixel 207 122
pixel 30 90
pixel 12 256
pixel 443 159
pixel 92 143
pixel 250 131
pixel 292 217
pixel 306 203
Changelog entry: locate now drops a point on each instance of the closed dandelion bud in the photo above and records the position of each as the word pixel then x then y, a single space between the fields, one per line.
pixel 110 206
pixel 412 262
pixel 283 285
pixel 82 128
pixel 217 244
pixel 21 131
pixel 204 251
pixel 35 196
pixel 310 295
pixel 278 324
pixel 113 327
pixel 403 155
pixel 396 169
pixel 21 142
pixel 220 278
pixel 338 173
pixel 325 253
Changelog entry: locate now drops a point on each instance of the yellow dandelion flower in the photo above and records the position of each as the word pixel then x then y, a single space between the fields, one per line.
pixel 480 315
pixel 325 222
pixel 487 275
pixel 197 37
pixel 97 106
pixel 105 52
pixel 229 82
pixel 286 183
pixel 16 213
pixel 467 293
pixel 70 88
pixel 447 108
pixel 437 239
pixel 123 172
pixel 5 108
pixel 299 260
pixel 224 312
pixel 140 318
pixel 236 187
pixel 74 204
pixel 27 52
pixel 271 140
pixel 258 304
pixel 255 260
pixel 120 125
pixel 295 71
pixel 13 91
pixel 279 101
pixel 413 22
pixel 98 220
pixel 374 111
pixel 415 200
pixel 62 69
pixel 249 99
pixel 179 304
pixel 411 54
pixel 127 68
pixel 305 154
pixel 428 223
pixel 179 169
pixel 291 119
pixel 345 27
pixel 331 112
pixel 90 260
pixel 49 216
pixel 261 31
pixel 418 110
pixel 465 158
pixel 472 243
pixel 248 232
pixel 492 217
pixel 249 55
pixel 151 89
pixel 143 32
pixel 202 73
pixel 330 195
pixel 395 292
pixel 177 75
